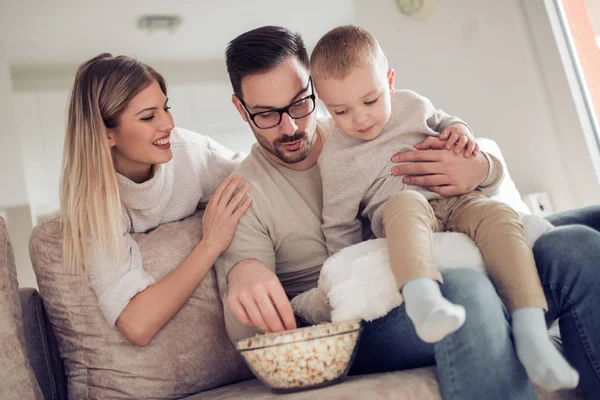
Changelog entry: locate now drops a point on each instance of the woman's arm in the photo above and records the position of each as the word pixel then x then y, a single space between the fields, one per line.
pixel 151 309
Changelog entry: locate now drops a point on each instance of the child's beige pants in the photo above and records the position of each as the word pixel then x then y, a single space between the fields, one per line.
pixel 410 220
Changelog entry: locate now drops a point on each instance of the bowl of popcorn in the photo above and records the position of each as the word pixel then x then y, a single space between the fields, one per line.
pixel 305 358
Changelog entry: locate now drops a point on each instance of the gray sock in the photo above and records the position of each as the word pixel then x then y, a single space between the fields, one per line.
pixel 543 362
pixel 433 316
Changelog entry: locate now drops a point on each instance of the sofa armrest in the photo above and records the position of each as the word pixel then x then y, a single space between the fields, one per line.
pixel 42 347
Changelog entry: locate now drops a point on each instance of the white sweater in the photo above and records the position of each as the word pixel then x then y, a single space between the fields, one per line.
pixel 198 166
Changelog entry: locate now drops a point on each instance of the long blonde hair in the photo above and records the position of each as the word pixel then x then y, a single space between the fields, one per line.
pixel 89 193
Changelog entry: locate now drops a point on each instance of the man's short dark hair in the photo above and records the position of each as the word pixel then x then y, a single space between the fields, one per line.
pixel 260 50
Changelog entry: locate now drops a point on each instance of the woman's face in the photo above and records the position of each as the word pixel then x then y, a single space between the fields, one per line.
pixel 143 138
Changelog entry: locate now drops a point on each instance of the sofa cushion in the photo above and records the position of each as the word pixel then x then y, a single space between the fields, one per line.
pixel 17 380
pixel 191 354
pixel 415 384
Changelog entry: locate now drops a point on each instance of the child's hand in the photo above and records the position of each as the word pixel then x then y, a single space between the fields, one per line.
pixel 457 135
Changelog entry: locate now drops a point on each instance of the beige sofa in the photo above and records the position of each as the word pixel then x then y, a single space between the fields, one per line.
pixel 74 353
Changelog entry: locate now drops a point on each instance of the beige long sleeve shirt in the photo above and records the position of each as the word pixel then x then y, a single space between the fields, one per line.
pixel 364 184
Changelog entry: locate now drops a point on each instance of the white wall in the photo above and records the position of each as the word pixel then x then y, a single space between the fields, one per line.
pixel 19 225
pixel 473 58
pixel 12 182
pixel 40 122
pixel 14 207
pixel 206 108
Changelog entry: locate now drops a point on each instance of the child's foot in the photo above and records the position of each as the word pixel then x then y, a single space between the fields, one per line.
pixel 543 362
pixel 433 316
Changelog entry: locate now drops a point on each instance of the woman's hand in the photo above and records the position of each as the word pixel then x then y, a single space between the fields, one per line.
pixel 223 212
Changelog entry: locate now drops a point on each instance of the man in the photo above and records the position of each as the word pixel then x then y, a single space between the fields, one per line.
pixel 279 248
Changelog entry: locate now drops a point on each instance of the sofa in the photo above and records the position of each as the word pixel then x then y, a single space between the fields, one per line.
pixel 62 347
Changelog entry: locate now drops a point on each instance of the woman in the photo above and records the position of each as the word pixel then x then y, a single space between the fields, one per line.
pixel 126 168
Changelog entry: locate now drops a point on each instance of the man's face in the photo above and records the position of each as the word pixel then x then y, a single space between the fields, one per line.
pixel 291 140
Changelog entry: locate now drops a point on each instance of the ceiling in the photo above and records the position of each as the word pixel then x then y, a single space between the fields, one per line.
pixel 41 32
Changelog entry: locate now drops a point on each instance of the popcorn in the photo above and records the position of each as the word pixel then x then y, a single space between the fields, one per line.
pixel 303 358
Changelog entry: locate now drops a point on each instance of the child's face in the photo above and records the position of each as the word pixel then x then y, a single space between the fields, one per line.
pixel 360 102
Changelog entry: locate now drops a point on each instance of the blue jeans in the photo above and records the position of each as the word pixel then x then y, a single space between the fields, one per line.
pixel 588 216
pixel 479 360
pixel 568 261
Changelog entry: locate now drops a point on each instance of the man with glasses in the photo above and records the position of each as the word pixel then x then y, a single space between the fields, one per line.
pixel 278 248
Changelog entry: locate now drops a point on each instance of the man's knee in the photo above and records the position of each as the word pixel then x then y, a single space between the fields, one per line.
pixel 471 289
pixel 567 240
pixel 569 248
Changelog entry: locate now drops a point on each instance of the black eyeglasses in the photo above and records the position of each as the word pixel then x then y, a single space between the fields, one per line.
pixel 298 109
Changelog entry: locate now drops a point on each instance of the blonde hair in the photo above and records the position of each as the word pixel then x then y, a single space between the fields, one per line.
pixel 344 48
pixel 89 193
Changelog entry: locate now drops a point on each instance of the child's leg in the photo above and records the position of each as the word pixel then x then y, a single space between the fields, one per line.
pixel 498 232
pixel 409 222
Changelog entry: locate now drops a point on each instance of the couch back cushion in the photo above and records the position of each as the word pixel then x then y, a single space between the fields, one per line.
pixel 191 354
pixel 17 380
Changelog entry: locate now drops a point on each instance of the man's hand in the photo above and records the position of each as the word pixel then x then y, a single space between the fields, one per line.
pixel 256 298
pixel 441 171
pixel 457 136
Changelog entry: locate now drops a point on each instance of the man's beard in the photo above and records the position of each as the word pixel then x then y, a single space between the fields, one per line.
pixel 287 157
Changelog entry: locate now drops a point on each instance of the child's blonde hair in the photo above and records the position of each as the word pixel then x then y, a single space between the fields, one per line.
pixel 344 48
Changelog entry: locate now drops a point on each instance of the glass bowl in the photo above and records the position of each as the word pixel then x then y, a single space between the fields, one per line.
pixel 305 358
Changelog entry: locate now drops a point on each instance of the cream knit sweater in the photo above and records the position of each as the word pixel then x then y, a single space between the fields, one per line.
pixel 175 191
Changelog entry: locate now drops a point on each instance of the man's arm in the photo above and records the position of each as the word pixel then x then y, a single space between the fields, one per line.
pixel 256 297
pixel 447 173
pixel 247 278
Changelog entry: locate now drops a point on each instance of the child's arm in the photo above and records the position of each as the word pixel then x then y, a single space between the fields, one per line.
pixel 342 194
pixel 452 129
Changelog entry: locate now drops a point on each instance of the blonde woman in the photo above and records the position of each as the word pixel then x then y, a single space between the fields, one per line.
pixel 126 168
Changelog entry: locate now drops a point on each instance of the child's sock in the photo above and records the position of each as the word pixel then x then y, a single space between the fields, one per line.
pixel 433 316
pixel 542 361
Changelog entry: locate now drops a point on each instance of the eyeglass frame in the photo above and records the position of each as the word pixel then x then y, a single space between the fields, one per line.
pixel 285 109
